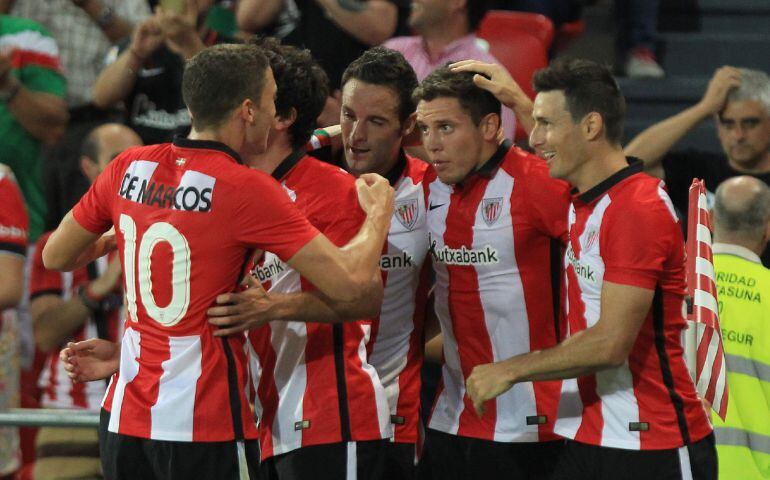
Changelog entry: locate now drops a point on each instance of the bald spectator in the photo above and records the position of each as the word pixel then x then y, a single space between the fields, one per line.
pixel 738 99
pixel 741 233
pixel 445 33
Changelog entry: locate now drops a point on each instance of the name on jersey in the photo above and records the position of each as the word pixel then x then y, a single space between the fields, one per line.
pixel 581 270
pixel 463 255
pixel 269 270
pixel 400 261
pixel 193 194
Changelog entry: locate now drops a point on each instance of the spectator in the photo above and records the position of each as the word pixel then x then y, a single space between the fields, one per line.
pixel 71 307
pixel 637 24
pixel 32 112
pixel 741 233
pixel 444 34
pixel 84 30
pixel 13 247
pixel 739 101
pixel 147 74
pixel 335 31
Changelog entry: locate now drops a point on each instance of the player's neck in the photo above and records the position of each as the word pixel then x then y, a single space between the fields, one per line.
pixel 601 164
pixel 278 148
pixel 223 135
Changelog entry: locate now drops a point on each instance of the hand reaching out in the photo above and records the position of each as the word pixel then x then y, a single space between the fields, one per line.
pixel 92 359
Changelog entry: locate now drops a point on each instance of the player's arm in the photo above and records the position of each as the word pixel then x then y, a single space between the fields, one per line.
pixel 605 345
pixel 370 22
pixel 11 279
pixel 71 246
pixel 237 312
pixel 654 143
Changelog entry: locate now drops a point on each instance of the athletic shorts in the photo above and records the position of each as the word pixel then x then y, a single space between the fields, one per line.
pixel 580 461
pixel 449 457
pixel 400 461
pixel 332 461
pixel 130 458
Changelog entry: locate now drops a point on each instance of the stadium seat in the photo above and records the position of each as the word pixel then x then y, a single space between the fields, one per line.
pixel 520 41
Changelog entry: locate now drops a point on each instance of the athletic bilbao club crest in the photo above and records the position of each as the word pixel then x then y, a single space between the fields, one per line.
pixel 591 238
pixel 407 212
pixel 491 209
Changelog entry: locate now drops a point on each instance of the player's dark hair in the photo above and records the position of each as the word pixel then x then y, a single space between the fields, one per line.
pixel 302 86
pixel 445 83
pixel 385 67
pixel 219 78
pixel 588 87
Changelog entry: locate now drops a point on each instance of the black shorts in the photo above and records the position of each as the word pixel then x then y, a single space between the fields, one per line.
pixel 450 457
pixel 130 458
pixel 400 461
pixel 332 461
pixel 697 461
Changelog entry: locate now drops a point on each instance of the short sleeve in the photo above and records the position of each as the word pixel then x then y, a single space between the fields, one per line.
pixel 94 210
pixel 41 280
pixel 267 219
pixel 14 223
pixel 548 202
pixel 637 242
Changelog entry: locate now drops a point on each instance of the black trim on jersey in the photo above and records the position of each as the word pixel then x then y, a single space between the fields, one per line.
pixel 288 163
pixel 13 248
pixel 489 168
pixel 184 142
pixel 232 388
pixel 395 173
pixel 342 388
pixel 51 291
pixel 665 367
pixel 99 317
pixel 634 166
pixel 556 275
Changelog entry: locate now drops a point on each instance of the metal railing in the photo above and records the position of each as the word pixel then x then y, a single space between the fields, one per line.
pixel 43 417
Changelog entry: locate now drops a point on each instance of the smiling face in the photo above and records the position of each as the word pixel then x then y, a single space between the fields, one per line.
pixel 556 137
pixel 743 128
pixel 371 127
pixel 453 141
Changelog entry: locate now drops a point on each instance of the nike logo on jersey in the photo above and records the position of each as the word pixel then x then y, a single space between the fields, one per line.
pixel 433 207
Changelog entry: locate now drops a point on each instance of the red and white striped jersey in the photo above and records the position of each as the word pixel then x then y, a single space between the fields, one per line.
pixel 188 219
pixel 313 381
pixel 14 224
pixel 58 391
pixel 625 231
pixel 397 350
pixel 495 240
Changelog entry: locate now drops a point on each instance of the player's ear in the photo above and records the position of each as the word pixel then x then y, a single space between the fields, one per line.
pixel 490 126
pixel 247 111
pixel 283 122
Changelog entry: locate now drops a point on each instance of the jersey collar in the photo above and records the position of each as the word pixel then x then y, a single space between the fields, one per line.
pixel 489 168
pixel 634 166
pixel 288 163
pixel 184 142
pixel 735 250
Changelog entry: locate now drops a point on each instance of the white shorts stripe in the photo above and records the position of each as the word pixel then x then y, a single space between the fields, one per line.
pixel 352 466
pixel 684 463
pixel 243 466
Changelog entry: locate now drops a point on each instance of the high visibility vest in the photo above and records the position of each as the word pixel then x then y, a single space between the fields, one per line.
pixel 743 439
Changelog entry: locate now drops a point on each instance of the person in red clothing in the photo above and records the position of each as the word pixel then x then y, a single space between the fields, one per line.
pixel 186 230
pixel 496 223
pixel 628 403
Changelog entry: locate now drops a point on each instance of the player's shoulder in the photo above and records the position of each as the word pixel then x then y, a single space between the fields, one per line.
pixel 643 198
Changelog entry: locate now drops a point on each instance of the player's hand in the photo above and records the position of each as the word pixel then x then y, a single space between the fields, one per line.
pixel 92 359
pixel 496 80
pixel 487 382
pixel 238 312
pixel 724 80
pixel 375 195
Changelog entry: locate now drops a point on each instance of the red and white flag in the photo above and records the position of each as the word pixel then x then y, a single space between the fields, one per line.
pixel 703 339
